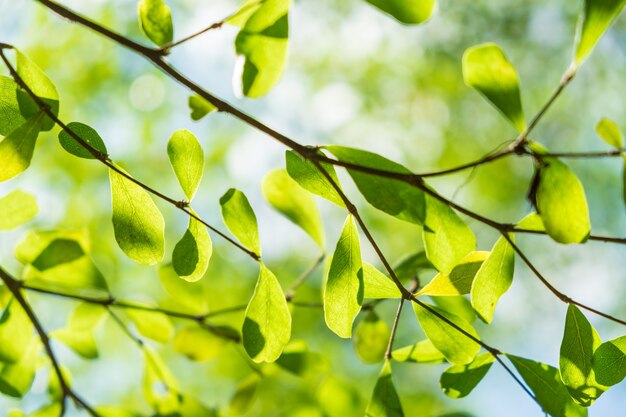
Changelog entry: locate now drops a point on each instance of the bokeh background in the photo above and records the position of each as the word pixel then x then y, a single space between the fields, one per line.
pixel 354 77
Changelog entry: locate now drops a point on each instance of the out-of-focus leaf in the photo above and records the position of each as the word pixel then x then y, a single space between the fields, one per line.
pixel 410 12
pixel 16 332
pixel 459 280
pixel 609 132
pixel 240 219
pixel 187 159
pixel 17 208
pixel 305 173
pixel 78 334
pixel 458 381
pixel 422 352
pixel 160 388
pixel 16 379
pixel 155 19
pixel 412 265
pixel 86 133
pixel 371 337
pixel 243 398
pixel 299 360
pixel 385 401
pixel 151 324
pixel 378 285
pixel 192 253
pixel 199 107
pixel 609 361
pixel 115 411
pixel 198 344
pixel 597 16
pixel 16 149
pixel 41 86
pixel 532 222
pixel 192 295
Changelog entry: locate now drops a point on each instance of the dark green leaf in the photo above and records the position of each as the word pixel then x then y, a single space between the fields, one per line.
pixel 609 361
pixel 192 253
pixel 199 107
pixel 458 381
pixel 86 133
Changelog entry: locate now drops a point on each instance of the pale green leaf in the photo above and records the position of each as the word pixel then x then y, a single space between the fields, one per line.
pixel 17 208
pixel 493 279
pixel 609 132
pixel 422 352
pixel 137 221
pixel 187 159
pixel 459 280
pixel 261 46
pixel 86 133
pixel 385 401
pixel 596 17
pixel 305 173
pixel 286 196
pixel 267 326
pixel 155 19
pixel 609 361
pixel 159 386
pixel 343 289
pixel 371 337
pixel 41 86
pixel 16 149
pixel 447 239
pixel 378 285
pixel 193 296
pixel 50 410
pixel 244 12
pixel 244 395
pixel 457 381
pixel 198 344
pixel 487 69
pixel 240 219
pixel 410 12
pixel 192 253
pixel 78 334
pixel 199 107
pixel 16 332
pixel 457 347
pixel 394 197
pixel 152 324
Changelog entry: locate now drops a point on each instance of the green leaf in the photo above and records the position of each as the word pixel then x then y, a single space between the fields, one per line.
pixel 447 239
pixel 454 345
pixel 532 222
pixel 493 279
pixel 459 280
pixel 192 253
pixel 609 132
pixel 16 379
pixel 16 149
pixel 17 208
pixel 457 305
pixel 50 410
pixel 115 411
pixel 198 344
pixel 193 296
pixel 422 352
pixel 155 19
pixel 544 381
pixel 241 16
pixel 267 326
pixel 240 219
pixel 561 203
pixel 343 289
pixel 152 324
pixel 10 110
pixel 624 180
pixel 262 48
pixel 410 12
pixel 160 388
pixel 371 337
pixel 458 381
pixel 378 285
pixel 394 197
pixel 596 17
pixel 78 334
pixel 137 221
pixel 243 398
pixel 286 196
pixel 609 361
pixel 199 107
pixel 487 69
pixel 16 332
pixel 187 159
pixel 385 401
pixel 580 340
pixel 297 359
pixel 305 173
pixel 41 86
pixel 86 133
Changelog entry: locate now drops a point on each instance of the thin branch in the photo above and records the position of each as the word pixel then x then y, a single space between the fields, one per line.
pixel 608 239
pixel 290 293
pixel 394 329
pixel 125 329
pixel 165 49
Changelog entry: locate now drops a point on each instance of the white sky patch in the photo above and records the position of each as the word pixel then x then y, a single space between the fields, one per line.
pixel 146 93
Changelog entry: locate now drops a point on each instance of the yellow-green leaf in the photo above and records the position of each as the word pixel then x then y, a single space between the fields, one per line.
pixel 305 173
pixel 378 285
pixel 160 388
pixel 16 332
pixel 609 132
pixel 198 344
pixel 422 352
pixel 609 361
pixel 187 159
pixel 78 334
pixel 17 208
pixel 458 381
pixel 194 296
pixel 192 253
pixel 371 337
pixel 459 280
pixel 385 401
pixel 17 378
pixel 596 17
pixel 155 19
pixel 409 12
pixel 240 219
pixel 16 149
pixel 151 324
pixel 41 86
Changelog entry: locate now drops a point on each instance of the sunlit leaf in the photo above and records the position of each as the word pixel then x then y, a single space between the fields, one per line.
pixel 378 285
pixel 78 334
pixel 187 159
pixel 305 173
pixel 459 280
pixel 41 86
pixel 609 132
pixel 191 295
pixel 86 133
pixel 17 208
pixel 267 326
pixel 10 110
pixel 199 107
pixel 16 332
pixel 385 401
pixel 422 352
pixel 458 381
pixel 609 361
pixel 243 398
pixel 16 379
pixel 160 387
pixel 192 253
pixel 596 17
pixel 240 219
pixel 532 222
pixel 343 289
pixel 155 19
pixel 137 221
pixel 406 11
pixel 198 344
pixel 16 149
pixel 151 324
pixel 371 337
pixel 244 12
pixel 458 305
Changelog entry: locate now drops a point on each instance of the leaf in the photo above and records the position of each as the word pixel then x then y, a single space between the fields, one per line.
pixel 596 17
pixel 10 110
pixel 16 149
pixel 422 352
pixel 267 326
pixel 86 133
pixel 609 132
pixel 609 361
pixel 243 398
pixel 532 222
pixel 371 337
pixel 155 19
pixel 240 219
pixel 16 332
pixel 200 107
pixel 624 180
pixel 152 324
pixel 187 159
pixel 561 203
pixel 378 285
pixel 305 173
pixel 487 69
pixel 241 16
pixel 457 381
pixel 17 208
pixel 286 196
pixel 137 221
pixel 198 344
pixel 16 379
pixel 385 401
pixel 493 279
pixel 78 334
pixel 454 345
pixel 261 46
pixel 394 197
pixel 41 86
pixel 459 280
pixel 411 265
pixel 343 289
pixel 297 359
pixel 580 340
pixel 447 239
pixel 115 411
pixel 544 381
pixel 410 12
pixel 457 305
pixel 159 385
pixel 192 253
pixel 191 295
